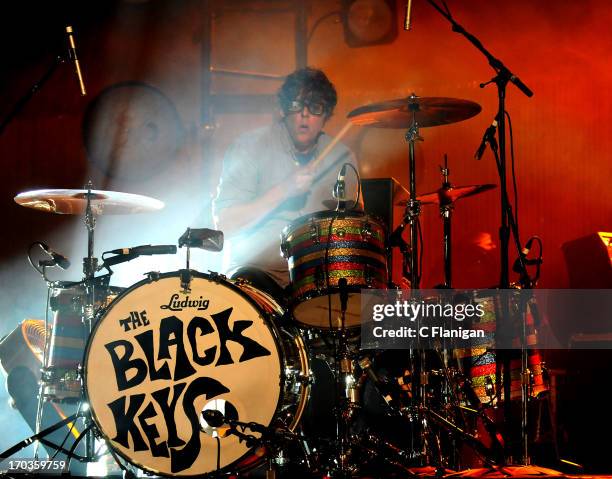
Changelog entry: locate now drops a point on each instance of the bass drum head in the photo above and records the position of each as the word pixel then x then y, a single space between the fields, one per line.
pixel 159 356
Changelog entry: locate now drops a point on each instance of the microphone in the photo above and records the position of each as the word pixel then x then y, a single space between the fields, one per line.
pixel 75 59
pixel 516 267
pixel 382 386
pixel 145 250
pixel 213 417
pixel 488 137
pixel 57 259
pixel 340 186
pixel 407 18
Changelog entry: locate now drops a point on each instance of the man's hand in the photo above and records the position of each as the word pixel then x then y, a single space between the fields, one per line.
pixel 299 182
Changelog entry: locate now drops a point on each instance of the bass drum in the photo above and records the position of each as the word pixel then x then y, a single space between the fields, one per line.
pixel 160 355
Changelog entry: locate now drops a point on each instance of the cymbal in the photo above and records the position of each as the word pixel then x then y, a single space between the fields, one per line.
pixel 74 202
pixel 428 111
pixel 446 196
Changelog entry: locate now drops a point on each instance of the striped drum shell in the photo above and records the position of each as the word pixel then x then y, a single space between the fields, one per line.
pixel 324 247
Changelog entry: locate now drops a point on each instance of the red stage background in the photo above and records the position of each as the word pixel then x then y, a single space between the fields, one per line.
pixel 560 49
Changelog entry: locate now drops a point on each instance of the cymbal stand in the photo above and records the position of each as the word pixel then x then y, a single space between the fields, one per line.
pixel 503 76
pixel 413 206
pixel 348 389
pixel 90 265
pixel 446 209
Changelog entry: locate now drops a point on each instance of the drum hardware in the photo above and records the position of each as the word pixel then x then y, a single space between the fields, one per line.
pixel 185 276
pixel 412 113
pixel 508 224
pixel 61 383
pixel 40 437
pixel 445 197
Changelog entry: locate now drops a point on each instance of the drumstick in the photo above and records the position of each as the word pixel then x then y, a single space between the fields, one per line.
pixel 331 145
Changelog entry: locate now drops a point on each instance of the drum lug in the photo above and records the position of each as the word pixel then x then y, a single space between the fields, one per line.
pixel 319 278
pixel 153 275
pixel 284 249
pixel 366 231
pixel 314 232
pixel 217 277
pixel 368 274
pixel 306 380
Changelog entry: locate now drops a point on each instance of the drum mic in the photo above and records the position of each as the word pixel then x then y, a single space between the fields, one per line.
pixel 128 254
pixel 74 58
pixel 339 191
pixel 340 186
pixel 488 137
pixel 381 385
pixel 56 258
pixel 213 417
pixel 146 250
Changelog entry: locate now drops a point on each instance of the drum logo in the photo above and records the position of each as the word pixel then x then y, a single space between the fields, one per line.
pixel 172 360
pixel 175 305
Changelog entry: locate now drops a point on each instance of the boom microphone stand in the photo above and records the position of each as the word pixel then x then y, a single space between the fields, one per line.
pixel 501 79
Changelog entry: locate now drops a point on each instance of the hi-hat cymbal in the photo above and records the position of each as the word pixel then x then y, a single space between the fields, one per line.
pixel 74 202
pixel 446 196
pixel 428 111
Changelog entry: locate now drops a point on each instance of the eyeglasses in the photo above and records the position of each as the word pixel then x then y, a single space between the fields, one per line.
pixel 297 106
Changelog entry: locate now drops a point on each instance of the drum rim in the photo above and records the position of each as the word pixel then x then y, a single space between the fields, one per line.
pixel 326 214
pixel 274 330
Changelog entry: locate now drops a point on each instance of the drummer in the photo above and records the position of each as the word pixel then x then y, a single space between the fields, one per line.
pixel 268 179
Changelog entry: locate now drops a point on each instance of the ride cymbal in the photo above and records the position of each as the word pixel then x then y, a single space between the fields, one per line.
pixel 427 111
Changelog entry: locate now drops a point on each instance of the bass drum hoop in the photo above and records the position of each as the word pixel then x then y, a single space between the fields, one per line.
pixel 279 342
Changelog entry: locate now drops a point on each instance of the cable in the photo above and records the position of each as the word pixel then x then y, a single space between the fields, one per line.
pixel 514 184
pixel 421 249
pixel 319 21
pixel 358 185
pixel 70 432
pixel 329 309
pixel 218 455
pixel 446 8
pixel 327 284
pixel 76 443
pixel 39 271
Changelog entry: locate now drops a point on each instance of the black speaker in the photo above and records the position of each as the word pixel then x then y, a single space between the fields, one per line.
pixel 378 199
pixel 589 261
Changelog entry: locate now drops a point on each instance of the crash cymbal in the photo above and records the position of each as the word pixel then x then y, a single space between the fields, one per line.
pixel 429 111
pixel 447 196
pixel 74 202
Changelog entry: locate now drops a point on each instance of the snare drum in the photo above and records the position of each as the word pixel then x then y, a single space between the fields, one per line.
pixel 160 355
pixel 321 249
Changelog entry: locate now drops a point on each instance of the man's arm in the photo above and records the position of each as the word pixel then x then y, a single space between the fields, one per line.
pixel 239 204
pixel 249 213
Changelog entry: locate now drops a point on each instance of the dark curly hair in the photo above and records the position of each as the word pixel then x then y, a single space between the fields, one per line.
pixel 311 85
